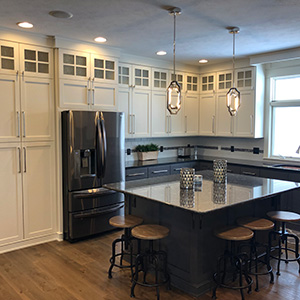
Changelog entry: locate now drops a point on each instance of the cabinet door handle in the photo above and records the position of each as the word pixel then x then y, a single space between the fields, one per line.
pixel 159 171
pixel 249 173
pixel 25 164
pixel 18 120
pixel 93 90
pixel 135 174
pixel 19 149
pixel 24 129
pixel 133 118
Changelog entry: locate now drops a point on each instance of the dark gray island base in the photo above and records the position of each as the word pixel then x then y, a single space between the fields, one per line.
pixel 192 217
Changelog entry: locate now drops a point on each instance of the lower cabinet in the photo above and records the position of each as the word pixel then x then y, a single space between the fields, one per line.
pixel 27 196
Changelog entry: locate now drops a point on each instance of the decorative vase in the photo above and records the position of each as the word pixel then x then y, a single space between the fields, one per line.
pixel 187 178
pixel 220 170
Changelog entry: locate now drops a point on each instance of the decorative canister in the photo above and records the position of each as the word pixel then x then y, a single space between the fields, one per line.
pixel 220 193
pixel 220 170
pixel 198 179
pixel 187 198
pixel 187 178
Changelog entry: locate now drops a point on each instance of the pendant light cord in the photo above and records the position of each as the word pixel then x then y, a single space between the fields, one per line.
pixel 174 44
pixel 233 58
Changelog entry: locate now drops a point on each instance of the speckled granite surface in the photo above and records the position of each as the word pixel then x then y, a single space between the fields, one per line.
pixel 238 189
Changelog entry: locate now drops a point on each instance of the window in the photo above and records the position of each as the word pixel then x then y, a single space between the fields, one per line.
pixel 285 116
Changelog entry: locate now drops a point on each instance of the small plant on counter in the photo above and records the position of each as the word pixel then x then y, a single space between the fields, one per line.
pixel 146 148
pixel 147 152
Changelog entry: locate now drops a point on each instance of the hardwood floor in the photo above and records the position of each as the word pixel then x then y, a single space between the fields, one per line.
pixel 64 271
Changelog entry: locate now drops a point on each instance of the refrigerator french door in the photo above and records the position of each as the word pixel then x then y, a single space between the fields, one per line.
pixel 93 153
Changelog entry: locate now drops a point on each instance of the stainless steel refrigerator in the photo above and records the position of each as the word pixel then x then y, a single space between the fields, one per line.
pixel 93 153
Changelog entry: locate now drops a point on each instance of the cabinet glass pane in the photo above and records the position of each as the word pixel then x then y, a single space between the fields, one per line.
pixel 163 76
pixel 125 71
pixel 156 83
pixel 7 51
pixel 138 81
pixel 80 71
pixel 110 75
pixel 99 63
pixel 163 84
pixel 210 78
pixel 68 70
pixel 156 75
pixel 30 54
pixel 120 79
pixel 248 82
pixel 204 88
pixel 81 61
pixel 43 56
pixel 210 87
pixel 43 68
pixel 221 85
pixel 194 88
pixel 240 75
pixel 138 72
pixel 189 79
pixel 145 82
pixel 125 80
pixel 7 64
pixel 240 83
pixel 189 87
pixel 228 84
pixel 228 76
pixel 195 79
pixel 180 78
pixel 204 79
pixel 221 77
pixel 30 66
pixel 145 73
pixel 69 59
pixel 248 74
pixel 109 64
pixel 120 70
pixel 99 74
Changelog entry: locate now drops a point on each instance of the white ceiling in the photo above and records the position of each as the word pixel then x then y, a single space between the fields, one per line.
pixel 142 27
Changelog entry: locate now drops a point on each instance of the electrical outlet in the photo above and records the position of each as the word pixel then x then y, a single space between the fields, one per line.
pixel 128 151
pixel 161 149
pixel 255 150
pixel 232 148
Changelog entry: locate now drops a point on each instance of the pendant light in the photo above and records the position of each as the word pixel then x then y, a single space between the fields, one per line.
pixel 233 97
pixel 174 89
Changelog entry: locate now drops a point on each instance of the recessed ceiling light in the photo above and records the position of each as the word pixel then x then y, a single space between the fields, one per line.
pixel 203 61
pixel 161 52
pixel 100 39
pixel 25 25
pixel 60 14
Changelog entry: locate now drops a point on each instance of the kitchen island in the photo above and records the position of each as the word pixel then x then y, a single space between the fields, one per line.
pixel 192 217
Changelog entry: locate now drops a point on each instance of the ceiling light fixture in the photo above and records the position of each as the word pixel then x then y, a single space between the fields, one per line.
pixel 161 52
pixel 100 39
pixel 25 25
pixel 60 14
pixel 233 97
pixel 203 61
pixel 174 89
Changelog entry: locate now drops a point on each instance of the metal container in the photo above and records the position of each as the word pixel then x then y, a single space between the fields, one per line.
pixel 187 178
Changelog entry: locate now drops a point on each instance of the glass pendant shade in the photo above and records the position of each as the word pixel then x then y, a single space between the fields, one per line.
pixel 233 101
pixel 174 96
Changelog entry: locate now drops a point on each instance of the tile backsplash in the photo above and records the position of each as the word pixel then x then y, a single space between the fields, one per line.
pixel 240 148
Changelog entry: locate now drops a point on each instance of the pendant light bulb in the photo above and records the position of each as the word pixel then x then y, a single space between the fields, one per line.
pixel 174 89
pixel 233 96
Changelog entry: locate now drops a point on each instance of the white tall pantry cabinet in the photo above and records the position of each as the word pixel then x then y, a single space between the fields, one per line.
pixel 27 157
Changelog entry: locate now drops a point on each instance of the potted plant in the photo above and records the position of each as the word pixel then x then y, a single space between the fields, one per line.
pixel 147 152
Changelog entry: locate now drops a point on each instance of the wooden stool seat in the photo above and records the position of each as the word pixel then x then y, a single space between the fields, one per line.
pixel 255 223
pixel 150 232
pixel 128 221
pixel 234 233
pixel 284 216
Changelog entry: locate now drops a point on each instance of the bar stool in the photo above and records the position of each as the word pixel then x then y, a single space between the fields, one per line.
pixel 126 222
pixel 149 260
pixel 239 261
pixel 283 217
pixel 258 224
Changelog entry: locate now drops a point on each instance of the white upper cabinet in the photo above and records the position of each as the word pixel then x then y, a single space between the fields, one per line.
pixel 160 79
pixel 191 114
pixel 224 81
pixel 87 81
pixel 207 83
pixel 245 78
pixel 141 77
pixel 9 53
pixel 207 115
pixel 224 121
pixel 192 83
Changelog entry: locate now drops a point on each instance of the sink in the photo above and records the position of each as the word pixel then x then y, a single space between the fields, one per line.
pixel 287 167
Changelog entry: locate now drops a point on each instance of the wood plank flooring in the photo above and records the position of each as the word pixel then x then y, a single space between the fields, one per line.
pixel 64 271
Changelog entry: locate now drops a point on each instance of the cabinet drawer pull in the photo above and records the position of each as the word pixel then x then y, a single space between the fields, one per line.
pixel 159 171
pixel 177 169
pixel 135 174
pixel 249 173
pixel 19 149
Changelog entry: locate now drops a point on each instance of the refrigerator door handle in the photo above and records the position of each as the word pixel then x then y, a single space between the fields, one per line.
pixel 103 144
pixel 97 212
pixel 98 147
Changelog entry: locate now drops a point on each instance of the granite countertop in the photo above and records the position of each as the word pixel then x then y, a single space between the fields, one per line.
pixel 213 196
